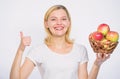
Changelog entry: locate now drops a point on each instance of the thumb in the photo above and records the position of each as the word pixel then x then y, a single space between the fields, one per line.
pixel 21 34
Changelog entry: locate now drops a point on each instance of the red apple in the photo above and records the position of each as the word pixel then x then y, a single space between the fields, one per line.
pixel 112 36
pixel 103 28
pixel 97 36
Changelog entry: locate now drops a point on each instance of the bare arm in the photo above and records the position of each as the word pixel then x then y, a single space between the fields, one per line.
pixel 17 71
pixel 82 71
pixel 96 66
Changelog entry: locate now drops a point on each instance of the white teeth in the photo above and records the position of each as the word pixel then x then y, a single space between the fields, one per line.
pixel 58 28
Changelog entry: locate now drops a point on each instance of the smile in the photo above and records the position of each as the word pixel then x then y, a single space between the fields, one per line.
pixel 59 28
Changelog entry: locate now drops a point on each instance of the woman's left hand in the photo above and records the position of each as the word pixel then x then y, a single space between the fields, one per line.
pixel 100 58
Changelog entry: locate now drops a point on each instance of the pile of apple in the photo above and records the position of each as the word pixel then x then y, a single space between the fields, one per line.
pixel 105 35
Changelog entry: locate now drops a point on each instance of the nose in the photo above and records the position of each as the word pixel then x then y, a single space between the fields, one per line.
pixel 59 21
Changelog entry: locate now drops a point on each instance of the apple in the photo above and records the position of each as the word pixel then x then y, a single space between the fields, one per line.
pixel 97 35
pixel 112 36
pixel 103 28
pixel 105 43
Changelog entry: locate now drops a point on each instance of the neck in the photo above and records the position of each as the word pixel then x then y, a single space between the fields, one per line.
pixel 59 42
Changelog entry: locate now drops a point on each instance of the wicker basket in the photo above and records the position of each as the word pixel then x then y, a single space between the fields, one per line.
pixel 102 47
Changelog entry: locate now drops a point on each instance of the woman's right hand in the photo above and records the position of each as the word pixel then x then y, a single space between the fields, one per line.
pixel 25 41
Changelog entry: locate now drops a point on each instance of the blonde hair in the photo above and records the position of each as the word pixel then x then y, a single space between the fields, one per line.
pixel 48 39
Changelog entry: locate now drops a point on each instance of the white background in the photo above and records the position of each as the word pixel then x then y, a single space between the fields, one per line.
pixel 27 16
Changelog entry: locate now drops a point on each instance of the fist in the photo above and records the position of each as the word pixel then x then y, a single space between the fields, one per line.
pixel 25 40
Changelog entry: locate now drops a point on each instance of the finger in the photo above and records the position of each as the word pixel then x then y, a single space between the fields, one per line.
pixel 21 34
pixel 107 56
pixel 102 55
pixel 28 42
pixel 98 55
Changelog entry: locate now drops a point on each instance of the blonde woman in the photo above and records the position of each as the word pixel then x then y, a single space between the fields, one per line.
pixel 58 57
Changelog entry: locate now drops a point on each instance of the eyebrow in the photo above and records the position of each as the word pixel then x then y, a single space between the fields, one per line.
pixel 56 17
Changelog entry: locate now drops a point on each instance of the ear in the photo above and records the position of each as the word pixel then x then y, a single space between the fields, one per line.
pixel 46 24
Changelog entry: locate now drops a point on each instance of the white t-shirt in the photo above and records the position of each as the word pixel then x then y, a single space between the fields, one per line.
pixel 57 66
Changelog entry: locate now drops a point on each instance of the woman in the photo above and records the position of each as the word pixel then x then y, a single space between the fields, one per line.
pixel 58 57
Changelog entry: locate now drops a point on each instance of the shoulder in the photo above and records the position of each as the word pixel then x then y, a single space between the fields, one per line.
pixel 36 53
pixel 81 52
pixel 37 49
pixel 80 49
pixel 79 46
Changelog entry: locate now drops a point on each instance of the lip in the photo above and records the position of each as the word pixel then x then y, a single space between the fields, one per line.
pixel 58 28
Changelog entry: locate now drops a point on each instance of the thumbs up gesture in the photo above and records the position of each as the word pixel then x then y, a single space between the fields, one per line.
pixel 25 40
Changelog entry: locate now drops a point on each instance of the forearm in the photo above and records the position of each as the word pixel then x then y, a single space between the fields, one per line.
pixel 15 70
pixel 94 71
pixel 101 57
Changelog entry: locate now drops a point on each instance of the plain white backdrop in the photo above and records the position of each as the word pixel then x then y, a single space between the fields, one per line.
pixel 27 16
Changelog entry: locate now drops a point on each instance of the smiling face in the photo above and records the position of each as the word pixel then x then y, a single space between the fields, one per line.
pixel 58 23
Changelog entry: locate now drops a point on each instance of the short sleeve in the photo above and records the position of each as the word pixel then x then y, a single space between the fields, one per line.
pixel 34 55
pixel 84 55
